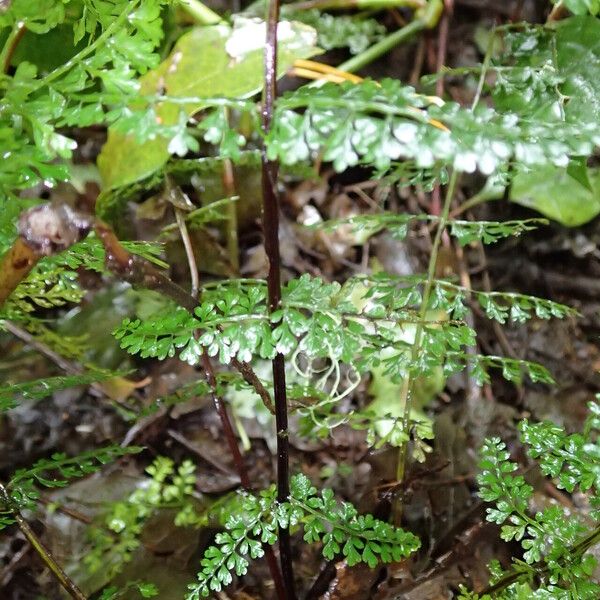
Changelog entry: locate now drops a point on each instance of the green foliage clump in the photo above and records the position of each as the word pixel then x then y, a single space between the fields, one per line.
pixel 338 527
pixel 119 40
pixel 343 31
pixel 114 543
pixel 555 541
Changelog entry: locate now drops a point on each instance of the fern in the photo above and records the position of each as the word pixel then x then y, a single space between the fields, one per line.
pixel 338 527
pixel 541 111
pixel 377 124
pixel 54 472
pixel 42 388
pixel 114 543
pixel 356 34
pixel 487 232
pixel 555 541
pixel 235 324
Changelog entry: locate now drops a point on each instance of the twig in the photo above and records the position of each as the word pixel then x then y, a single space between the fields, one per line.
pixel 65 581
pixel 442 49
pixel 189 251
pixel 65 510
pixel 251 378
pixel 271 233
pixel 202 453
pixel 6 574
pixel 42 348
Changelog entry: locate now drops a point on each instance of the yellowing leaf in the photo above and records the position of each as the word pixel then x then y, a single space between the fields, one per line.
pixel 206 62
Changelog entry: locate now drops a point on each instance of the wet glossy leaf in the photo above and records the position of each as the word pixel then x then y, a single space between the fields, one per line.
pixel 554 193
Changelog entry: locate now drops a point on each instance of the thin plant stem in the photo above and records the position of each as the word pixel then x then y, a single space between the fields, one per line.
pixel 220 407
pixel 200 12
pixel 271 237
pixel 427 19
pixel 484 69
pixel 472 202
pixel 57 571
pixel 382 47
pixel 209 371
pixel 189 251
pixel 407 384
pixel 358 4
pixel 42 348
pixel 15 37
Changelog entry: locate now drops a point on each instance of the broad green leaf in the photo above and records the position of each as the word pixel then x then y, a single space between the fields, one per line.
pixel 554 193
pixel 205 62
pixel 578 61
pixel 552 74
pixel 582 7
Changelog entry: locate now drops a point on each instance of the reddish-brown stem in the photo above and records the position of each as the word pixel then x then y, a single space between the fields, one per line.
pixel 251 378
pixel 15 40
pixel 442 51
pixel 271 235
pixel 234 449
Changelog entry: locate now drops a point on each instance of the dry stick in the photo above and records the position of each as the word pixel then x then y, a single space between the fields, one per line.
pixel 271 233
pixel 41 348
pixel 65 581
pixel 234 448
pixel 442 51
pixel 189 251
